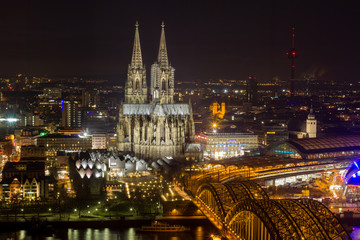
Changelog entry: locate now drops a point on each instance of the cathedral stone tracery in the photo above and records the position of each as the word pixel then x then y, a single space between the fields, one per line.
pixel 158 128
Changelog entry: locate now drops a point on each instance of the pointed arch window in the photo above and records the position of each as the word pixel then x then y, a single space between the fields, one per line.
pixel 163 84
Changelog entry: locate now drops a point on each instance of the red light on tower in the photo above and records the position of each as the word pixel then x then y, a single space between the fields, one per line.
pixel 292 55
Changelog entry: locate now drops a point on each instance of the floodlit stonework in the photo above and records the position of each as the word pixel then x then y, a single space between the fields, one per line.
pixel 159 128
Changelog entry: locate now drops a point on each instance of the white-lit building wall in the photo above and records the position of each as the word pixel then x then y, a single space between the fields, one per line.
pixel 227 145
pixel 99 141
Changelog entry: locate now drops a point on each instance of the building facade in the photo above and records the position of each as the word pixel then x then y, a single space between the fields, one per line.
pixel 58 142
pixel 99 141
pixel 24 181
pixel 71 114
pixel 227 145
pixel 311 125
pixel 159 127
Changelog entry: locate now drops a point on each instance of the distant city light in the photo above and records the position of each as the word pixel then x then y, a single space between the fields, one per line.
pixel 281 151
pixel 9 119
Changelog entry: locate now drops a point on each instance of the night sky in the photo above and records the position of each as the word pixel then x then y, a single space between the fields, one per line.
pixel 205 39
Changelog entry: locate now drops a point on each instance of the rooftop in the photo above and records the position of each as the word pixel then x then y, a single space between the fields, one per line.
pixel 327 144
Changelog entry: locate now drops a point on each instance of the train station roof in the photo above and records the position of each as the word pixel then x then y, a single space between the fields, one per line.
pixel 327 144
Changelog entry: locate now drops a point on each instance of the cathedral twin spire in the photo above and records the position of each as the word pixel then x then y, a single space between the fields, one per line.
pixel 162 57
pixel 162 74
pixel 136 60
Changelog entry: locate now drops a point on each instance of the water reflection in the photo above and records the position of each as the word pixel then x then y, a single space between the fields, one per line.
pixel 197 233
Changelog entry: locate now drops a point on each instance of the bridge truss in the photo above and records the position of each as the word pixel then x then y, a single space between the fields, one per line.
pixel 244 211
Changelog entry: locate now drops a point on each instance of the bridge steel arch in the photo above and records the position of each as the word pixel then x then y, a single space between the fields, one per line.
pixel 327 219
pixel 274 220
pixel 221 197
pixel 248 188
pixel 246 211
pixel 216 197
pixel 305 218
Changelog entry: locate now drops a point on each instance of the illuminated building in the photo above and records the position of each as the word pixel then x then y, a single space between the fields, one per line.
pixel 352 173
pixel 136 87
pixel 71 114
pixel 311 125
pixel 58 142
pixel 90 99
pixel 109 165
pixel 194 152
pixel 24 180
pixel 33 151
pixel 218 111
pixel 251 90
pixel 30 119
pixel 14 190
pixel 91 167
pixel 162 75
pixel 52 93
pixel 50 110
pixel 222 145
pixel 99 141
pixel 351 178
pixel 160 128
pixel 315 148
pixel 273 134
pixel 31 189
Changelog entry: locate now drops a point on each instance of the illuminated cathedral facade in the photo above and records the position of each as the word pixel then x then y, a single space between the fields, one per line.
pixel 151 124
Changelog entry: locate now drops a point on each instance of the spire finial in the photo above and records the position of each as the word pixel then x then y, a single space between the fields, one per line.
pixel 137 24
pixel 162 57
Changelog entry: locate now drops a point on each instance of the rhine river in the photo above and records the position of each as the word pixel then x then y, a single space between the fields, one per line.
pixel 196 233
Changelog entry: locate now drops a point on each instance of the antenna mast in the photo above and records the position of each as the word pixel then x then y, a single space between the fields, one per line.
pixel 292 55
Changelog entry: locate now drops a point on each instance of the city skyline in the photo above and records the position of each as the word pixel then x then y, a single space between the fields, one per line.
pixel 98 130
pixel 221 40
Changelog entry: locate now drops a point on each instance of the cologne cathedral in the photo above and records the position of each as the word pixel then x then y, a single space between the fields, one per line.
pixel 151 124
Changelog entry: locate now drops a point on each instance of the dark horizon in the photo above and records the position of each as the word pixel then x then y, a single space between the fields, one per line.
pixel 204 40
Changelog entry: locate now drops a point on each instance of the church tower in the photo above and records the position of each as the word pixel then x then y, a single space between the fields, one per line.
pixel 135 87
pixel 158 129
pixel 311 125
pixel 162 75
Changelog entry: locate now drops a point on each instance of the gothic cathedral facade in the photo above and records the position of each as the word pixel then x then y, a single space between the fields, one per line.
pixel 150 124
